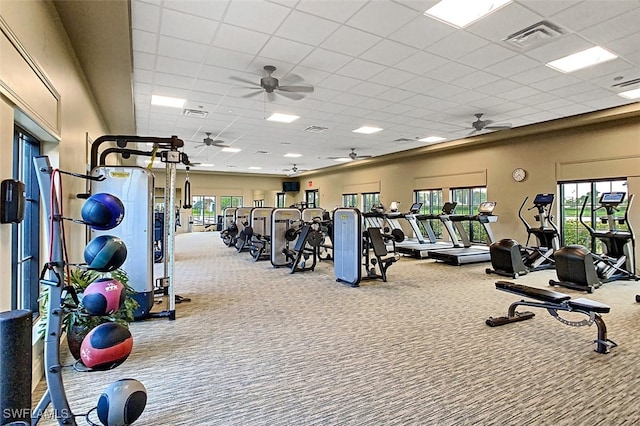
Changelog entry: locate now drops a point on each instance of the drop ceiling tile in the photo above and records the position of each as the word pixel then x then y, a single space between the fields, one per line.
pixel 231 59
pixel 392 77
pixel 360 69
pixel 559 48
pixel 590 13
pixel 451 71
pixel 547 8
pixel 256 15
pixel 388 53
pixel 456 45
pixel 395 108
pixel 368 89
pixel 497 87
pixel 285 50
pixel 467 97
pixel 350 41
pixel 144 61
pixel 142 76
pixel 145 16
pixel 310 75
pixel 513 65
pixel 172 80
pixel 325 60
pixel 507 20
pixel 373 103
pixel 349 99
pixel 213 87
pixel 534 75
pixel 486 56
pixel 339 82
pixel 421 62
pixel 518 93
pixel 143 88
pixel 143 41
pixel 306 28
pixel 422 32
pixel 181 49
pixel 556 82
pixel 604 103
pixel 177 67
pixel 616 66
pixel 574 109
pixel 187 27
pixel 475 79
pixel 210 10
pixel 381 17
pixel 538 98
pixel 574 89
pixel 614 29
pixel 338 11
pixel 240 39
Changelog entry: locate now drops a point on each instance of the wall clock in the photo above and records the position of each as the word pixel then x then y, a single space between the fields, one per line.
pixel 519 174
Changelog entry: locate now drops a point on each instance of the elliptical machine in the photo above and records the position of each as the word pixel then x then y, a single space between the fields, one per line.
pixel 509 258
pixel 581 269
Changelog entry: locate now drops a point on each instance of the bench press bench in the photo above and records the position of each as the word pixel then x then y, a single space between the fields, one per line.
pixel 554 302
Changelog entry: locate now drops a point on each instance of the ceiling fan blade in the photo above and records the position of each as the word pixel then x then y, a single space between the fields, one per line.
pixel 499 126
pixel 242 80
pixel 301 89
pixel 363 156
pixel 290 95
pixel 291 79
pixel 253 94
pixel 220 145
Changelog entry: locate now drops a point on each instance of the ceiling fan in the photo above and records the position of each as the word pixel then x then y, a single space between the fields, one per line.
pixel 212 142
pixel 271 86
pixel 353 155
pixel 294 169
pixel 481 124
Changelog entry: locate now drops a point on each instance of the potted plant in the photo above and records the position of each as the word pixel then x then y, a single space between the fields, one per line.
pixel 76 322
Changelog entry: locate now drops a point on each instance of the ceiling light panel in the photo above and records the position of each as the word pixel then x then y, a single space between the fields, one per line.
pixel 367 130
pixel 167 101
pixel 283 118
pixel 292 155
pixel 583 59
pixel 230 149
pixel 432 139
pixel 631 94
pixel 460 13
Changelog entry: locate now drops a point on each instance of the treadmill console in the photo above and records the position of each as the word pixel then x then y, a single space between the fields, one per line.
pixel 449 207
pixel 415 208
pixel 487 207
pixel 611 199
pixel 543 199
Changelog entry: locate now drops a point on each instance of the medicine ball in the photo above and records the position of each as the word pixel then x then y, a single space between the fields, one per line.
pixel 105 253
pixel 104 296
pixel 122 402
pixel 106 346
pixel 102 211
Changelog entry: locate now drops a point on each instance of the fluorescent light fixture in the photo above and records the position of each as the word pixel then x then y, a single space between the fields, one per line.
pixel 586 58
pixel 205 165
pixel 292 155
pixel 167 101
pixel 342 159
pixel 255 168
pixel 461 13
pixel 431 139
pixel 367 130
pixel 631 94
pixel 283 118
pixel 230 149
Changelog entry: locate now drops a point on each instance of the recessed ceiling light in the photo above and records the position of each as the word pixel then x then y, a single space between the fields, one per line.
pixel 367 130
pixel 205 165
pixel 461 13
pixel 230 149
pixel 586 58
pixel 631 94
pixel 342 159
pixel 292 155
pixel 283 118
pixel 167 101
pixel 432 139
pixel 255 168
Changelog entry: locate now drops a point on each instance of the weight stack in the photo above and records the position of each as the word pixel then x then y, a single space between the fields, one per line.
pixel 15 374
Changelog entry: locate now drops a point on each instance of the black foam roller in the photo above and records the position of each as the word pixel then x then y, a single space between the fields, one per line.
pixel 15 374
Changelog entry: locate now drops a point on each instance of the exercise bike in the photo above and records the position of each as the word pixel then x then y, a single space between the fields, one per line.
pixel 509 258
pixel 582 269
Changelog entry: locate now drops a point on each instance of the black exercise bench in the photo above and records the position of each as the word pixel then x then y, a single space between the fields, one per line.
pixel 553 302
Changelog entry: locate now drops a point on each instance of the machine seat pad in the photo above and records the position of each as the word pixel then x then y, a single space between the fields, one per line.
pixel 534 293
pixel 589 305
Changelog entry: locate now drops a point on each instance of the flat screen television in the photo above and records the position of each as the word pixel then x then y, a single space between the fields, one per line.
pixel 290 186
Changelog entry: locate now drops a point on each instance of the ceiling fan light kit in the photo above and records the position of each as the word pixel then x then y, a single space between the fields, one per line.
pixel 271 86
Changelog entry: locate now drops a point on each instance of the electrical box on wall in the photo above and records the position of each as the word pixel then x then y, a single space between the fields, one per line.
pixel 12 199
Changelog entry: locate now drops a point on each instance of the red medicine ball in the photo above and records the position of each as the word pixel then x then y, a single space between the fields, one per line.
pixel 104 296
pixel 106 346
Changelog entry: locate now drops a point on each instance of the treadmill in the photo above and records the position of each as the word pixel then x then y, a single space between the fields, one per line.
pixel 419 245
pixel 463 251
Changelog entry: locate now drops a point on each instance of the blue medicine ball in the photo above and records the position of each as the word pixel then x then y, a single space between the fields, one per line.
pixel 122 403
pixel 102 211
pixel 105 253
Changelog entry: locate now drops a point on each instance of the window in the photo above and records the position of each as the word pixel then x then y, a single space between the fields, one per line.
pixel 280 200
pixel 573 196
pixel 469 199
pixel 369 200
pixel 312 198
pixel 230 201
pixel 26 235
pixel 203 209
pixel 258 203
pixel 431 200
pixel 350 200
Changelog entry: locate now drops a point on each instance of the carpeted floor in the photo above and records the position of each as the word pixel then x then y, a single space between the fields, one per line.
pixel 259 346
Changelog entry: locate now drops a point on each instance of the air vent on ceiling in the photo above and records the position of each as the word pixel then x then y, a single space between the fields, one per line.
pixel 316 129
pixel 196 113
pixel 263 152
pixel 403 140
pixel 627 83
pixel 534 35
